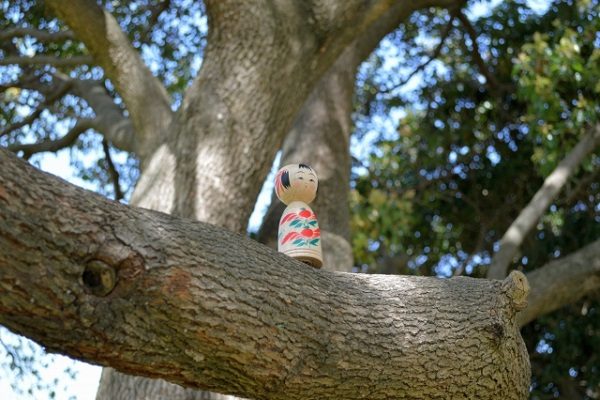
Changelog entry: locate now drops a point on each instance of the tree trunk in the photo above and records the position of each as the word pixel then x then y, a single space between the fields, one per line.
pixel 192 303
pixel 136 387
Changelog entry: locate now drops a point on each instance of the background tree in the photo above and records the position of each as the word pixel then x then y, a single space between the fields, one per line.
pixel 505 100
pixel 183 155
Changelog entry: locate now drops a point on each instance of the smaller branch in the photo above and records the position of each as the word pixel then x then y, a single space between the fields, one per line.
pixel 53 145
pixel 529 216
pixel 51 98
pixel 434 55
pixel 25 121
pixel 562 281
pixel 39 35
pixel 110 120
pixel 489 77
pixel 112 170
pixel 25 81
pixel 576 193
pixel 43 60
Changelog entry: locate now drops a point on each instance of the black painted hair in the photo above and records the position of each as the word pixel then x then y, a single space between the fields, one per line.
pixel 285 179
pixel 304 166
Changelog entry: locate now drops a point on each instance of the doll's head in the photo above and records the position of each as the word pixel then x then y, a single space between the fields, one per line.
pixel 296 182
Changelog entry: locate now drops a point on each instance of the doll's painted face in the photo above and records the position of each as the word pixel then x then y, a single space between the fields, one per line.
pixel 296 182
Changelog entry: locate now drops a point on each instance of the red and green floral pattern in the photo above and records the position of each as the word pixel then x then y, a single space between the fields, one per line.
pixel 305 228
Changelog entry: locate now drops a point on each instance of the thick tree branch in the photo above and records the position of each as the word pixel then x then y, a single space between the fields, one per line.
pixel 43 60
pixel 146 98
pixel 153 295
pixel 529 216
pixel 562 281
pixel 39 35
pixel 110 120
pixel 28 150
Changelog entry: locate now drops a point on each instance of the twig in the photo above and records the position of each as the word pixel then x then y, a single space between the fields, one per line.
pixel 483 69
pixel 24 81
pixel 42 60
pixel 59 93
pixel 112 170
pixel 39 35
pixel 53 145
pixel 434 55
pixel 25 121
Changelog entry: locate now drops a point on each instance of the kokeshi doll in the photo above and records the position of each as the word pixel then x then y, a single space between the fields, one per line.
pixel 299 235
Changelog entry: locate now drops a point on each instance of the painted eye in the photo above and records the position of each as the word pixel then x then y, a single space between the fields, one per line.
pixel 312 180
pixel 301 178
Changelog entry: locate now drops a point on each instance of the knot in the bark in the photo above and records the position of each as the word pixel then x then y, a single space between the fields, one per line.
pixel 99 278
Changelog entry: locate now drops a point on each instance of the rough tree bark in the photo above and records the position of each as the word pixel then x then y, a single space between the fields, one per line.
pixel 154 295
pixel 120 386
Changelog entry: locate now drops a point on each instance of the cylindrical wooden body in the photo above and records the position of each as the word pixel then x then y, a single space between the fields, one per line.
pixel 299 234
